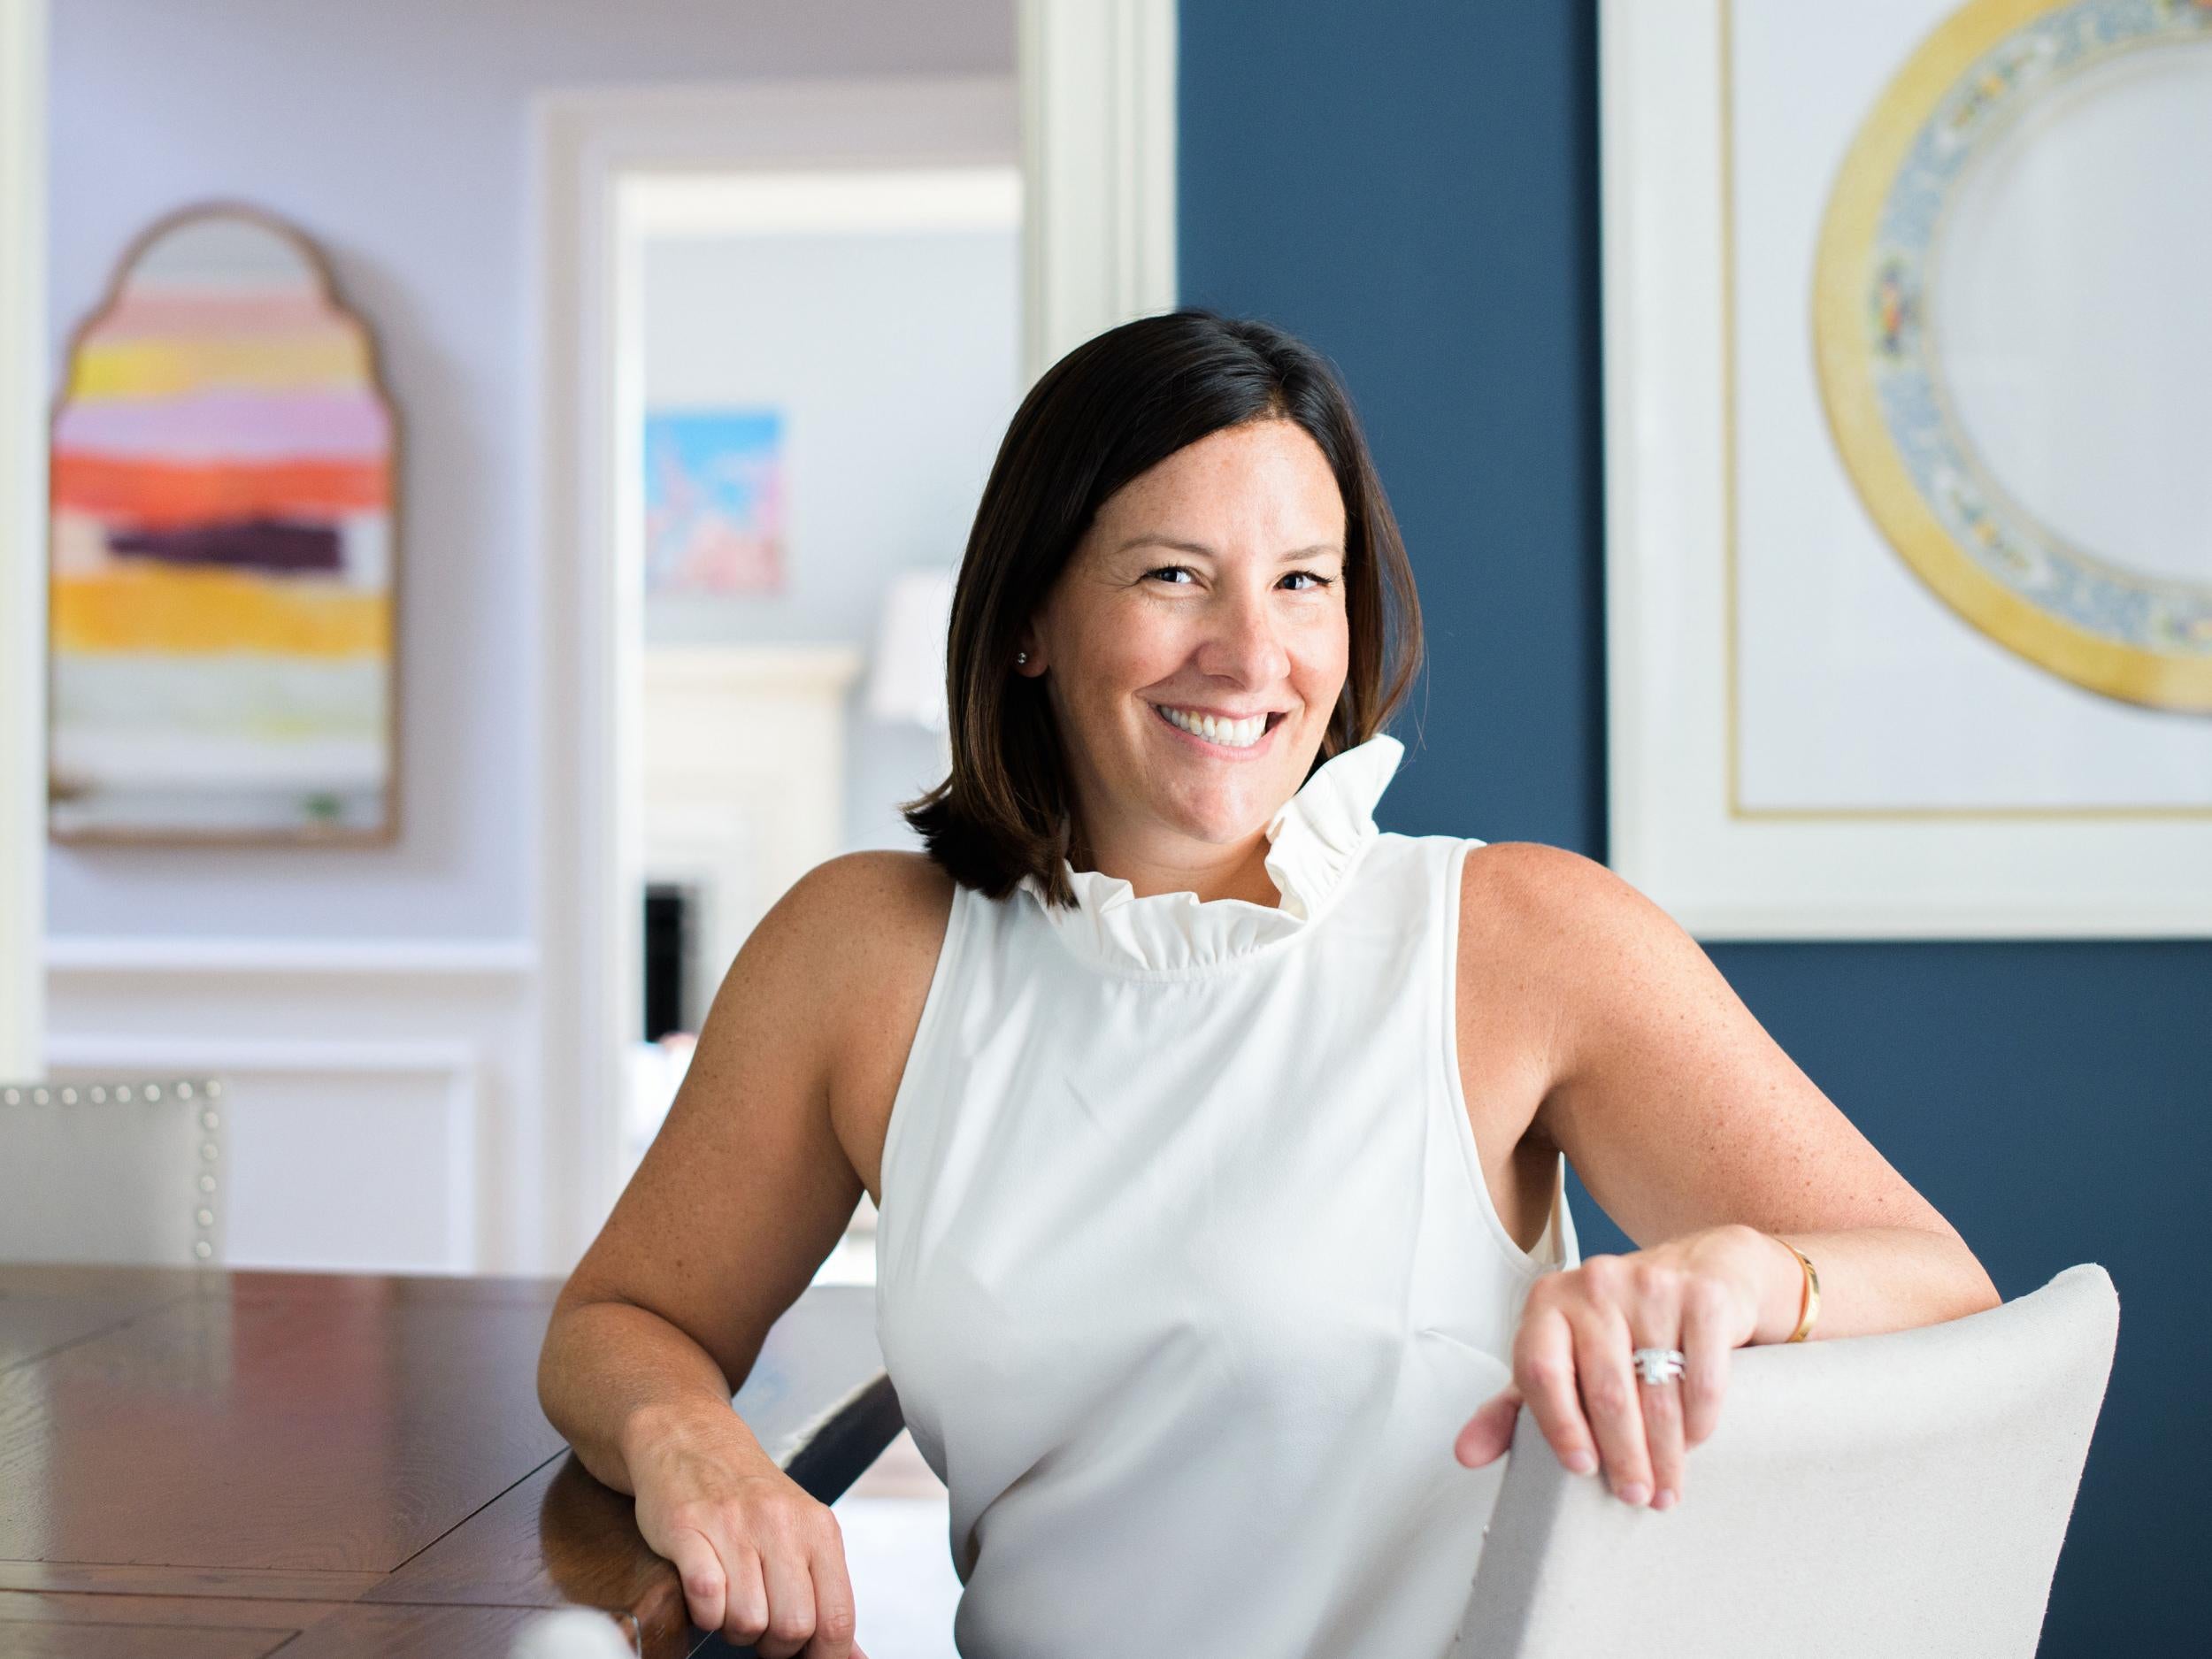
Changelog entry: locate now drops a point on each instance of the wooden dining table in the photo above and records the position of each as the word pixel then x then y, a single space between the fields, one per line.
pixel 203 1463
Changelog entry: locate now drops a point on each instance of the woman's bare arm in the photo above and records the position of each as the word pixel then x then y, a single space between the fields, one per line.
pixel 1710 1146
pixel 1680 1112
pixel 740 1198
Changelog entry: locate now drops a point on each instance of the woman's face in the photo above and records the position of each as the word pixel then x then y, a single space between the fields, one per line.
pixel 1211 584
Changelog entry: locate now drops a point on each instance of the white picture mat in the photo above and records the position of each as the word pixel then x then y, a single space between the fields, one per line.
pixel 1859 688
pixel 1989 872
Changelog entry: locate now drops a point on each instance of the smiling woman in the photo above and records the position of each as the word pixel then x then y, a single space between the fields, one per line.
pixel 1107 557
pixel 1217 1136
pixel 1155 684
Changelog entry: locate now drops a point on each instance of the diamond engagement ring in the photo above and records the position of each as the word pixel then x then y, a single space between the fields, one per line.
pixel 1658 1364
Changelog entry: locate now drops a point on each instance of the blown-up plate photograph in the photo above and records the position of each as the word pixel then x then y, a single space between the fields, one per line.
pixel 1911 628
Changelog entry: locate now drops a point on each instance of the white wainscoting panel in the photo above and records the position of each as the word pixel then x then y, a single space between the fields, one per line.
pixel 378 1118
pixel 343 1157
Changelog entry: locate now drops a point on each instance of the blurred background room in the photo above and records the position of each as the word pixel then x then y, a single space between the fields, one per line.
pixel 657 353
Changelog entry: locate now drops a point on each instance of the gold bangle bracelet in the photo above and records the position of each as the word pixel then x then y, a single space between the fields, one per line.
pixel 1811 1309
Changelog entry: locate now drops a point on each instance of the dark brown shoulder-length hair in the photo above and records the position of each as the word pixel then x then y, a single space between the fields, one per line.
pixel 1113 407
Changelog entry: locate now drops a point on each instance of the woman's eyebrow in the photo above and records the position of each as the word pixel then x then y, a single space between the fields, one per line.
pixel 1201 548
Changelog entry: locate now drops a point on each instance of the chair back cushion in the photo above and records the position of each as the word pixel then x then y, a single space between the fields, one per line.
pixel 116 1171
pixel 1900 1493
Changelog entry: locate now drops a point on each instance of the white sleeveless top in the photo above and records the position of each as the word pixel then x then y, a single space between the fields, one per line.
pixel 1186 1272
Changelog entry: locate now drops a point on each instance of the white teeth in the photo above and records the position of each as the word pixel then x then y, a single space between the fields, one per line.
pixel 1228 733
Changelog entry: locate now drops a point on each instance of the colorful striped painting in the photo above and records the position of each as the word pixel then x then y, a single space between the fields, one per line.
pixel 222 489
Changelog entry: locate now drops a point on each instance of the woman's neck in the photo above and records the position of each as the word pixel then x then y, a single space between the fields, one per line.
pixel 1242 874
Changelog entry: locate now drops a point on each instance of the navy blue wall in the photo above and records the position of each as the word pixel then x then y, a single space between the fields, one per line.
pixel 1413 188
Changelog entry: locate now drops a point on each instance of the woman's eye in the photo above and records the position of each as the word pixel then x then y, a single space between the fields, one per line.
pixel 1315 577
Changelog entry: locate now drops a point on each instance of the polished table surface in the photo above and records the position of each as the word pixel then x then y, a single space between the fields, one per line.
pixel 208 1464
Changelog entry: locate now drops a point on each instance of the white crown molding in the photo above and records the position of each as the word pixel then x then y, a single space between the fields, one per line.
pixel 386 958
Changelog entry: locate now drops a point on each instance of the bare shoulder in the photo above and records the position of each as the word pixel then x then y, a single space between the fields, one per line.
pixel 1676 1106
pixel 879 895
pixel 847 946
pixel 1554 894
pixel 1534 921
pixel 872 923
pixel 1564 914
pixel 879 917
pixel 1512 1021
pixel 751 1173
pixel 1535 869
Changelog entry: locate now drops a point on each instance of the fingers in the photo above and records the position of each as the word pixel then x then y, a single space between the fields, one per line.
pixel 792 1596
pixel 1488 1434
pixel 747 1614
pixel 1544 1371
pixel 834 1618
pixel 1708 1346
pixel 1657 1323
pixel 1573 1366
pixel 790 1604
pixel 1609 1388
pixel 700 1571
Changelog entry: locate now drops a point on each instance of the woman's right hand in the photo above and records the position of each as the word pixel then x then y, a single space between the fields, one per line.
pixel 762 1562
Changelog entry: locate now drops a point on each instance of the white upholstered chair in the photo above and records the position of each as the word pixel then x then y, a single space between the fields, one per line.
pixel 1898 1494
pixel 126 1171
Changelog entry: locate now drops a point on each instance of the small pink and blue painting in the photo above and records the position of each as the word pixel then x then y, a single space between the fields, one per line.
pixel 714 507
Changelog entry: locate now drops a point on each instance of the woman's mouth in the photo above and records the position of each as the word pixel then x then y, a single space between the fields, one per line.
pixel 1216 736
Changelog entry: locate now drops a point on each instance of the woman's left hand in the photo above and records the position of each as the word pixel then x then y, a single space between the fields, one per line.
pixel 1700 1294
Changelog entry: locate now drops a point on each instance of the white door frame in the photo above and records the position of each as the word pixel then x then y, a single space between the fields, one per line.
pixel 22 535
pixel 1091 118
pixel 1098 168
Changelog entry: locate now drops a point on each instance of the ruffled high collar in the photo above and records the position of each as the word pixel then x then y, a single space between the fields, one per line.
pixel 1315 839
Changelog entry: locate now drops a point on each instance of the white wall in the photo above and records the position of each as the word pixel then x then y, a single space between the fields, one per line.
pixel 378 1010
pixel 397 134
pixel 894 360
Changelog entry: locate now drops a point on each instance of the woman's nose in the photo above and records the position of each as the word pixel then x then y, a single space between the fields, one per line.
pixel 1246 642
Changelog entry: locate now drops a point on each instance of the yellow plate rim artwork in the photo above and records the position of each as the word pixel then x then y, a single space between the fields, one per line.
pixel 1842 271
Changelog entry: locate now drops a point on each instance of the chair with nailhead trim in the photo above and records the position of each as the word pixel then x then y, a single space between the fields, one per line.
pixel 119 1171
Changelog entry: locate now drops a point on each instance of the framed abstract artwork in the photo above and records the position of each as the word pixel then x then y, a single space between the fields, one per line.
pixel 714 492
pixel 1908 554
pixel 222 656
